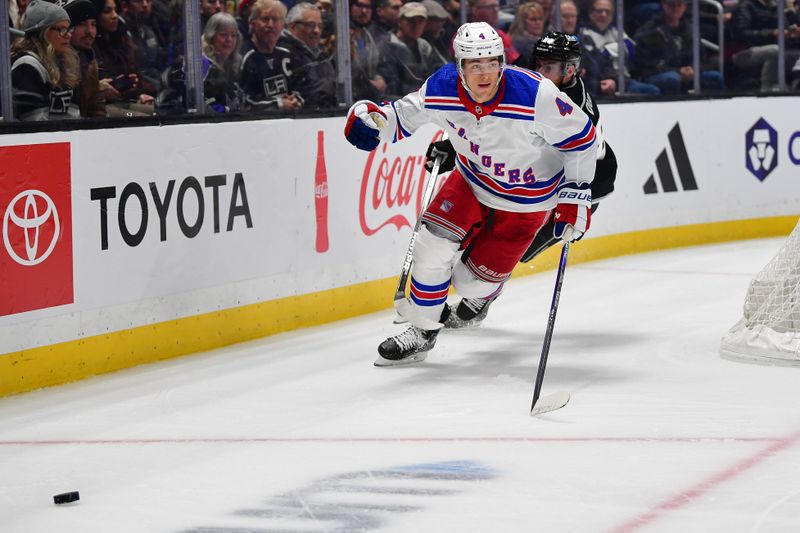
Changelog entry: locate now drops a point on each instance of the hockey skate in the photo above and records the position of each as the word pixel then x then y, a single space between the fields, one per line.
pixel 407 348
pixel 470 312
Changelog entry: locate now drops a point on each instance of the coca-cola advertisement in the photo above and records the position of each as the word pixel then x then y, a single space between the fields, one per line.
pixel 392 186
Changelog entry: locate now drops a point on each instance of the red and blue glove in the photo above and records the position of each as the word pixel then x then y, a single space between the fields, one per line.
pixel 364 120
pixel 573 212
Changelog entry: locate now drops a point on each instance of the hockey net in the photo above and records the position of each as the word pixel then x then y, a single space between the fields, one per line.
pixel 769 331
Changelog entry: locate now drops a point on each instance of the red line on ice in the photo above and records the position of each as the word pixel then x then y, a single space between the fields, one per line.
pixel 688 496
pixel 777 442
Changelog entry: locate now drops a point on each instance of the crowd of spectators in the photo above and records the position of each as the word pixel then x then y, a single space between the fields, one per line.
pixel 122 58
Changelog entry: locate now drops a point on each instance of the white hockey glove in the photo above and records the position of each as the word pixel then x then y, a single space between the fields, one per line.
pixel 573 212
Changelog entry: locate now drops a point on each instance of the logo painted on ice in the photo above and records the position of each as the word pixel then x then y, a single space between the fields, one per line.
pixel 31 219
pixel 761 144
pixel 391 183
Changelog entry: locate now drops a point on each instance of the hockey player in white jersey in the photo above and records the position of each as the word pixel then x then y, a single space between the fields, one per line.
pixel 557 57
pixel 524 150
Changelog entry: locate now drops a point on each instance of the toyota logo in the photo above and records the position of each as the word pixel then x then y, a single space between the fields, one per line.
pixel 31 223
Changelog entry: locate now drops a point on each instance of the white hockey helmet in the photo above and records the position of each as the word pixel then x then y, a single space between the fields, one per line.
pixel 477 40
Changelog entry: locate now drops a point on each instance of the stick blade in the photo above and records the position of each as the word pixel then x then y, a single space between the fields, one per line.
pixel 551 402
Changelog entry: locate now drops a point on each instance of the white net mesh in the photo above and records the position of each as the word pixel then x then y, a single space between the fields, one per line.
pixel 769 332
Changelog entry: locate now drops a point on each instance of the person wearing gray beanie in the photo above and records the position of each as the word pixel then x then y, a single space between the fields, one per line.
pixel 41 14
pixel 45 69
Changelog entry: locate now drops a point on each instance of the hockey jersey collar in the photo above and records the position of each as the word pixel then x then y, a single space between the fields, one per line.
pixel 487 108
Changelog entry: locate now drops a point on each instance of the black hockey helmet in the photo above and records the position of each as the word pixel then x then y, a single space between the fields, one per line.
pixel 557 46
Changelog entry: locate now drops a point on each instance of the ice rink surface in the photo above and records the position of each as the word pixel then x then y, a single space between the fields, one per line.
pixel 300 433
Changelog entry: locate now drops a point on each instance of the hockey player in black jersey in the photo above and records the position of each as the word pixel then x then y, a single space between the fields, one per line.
pixel 557 57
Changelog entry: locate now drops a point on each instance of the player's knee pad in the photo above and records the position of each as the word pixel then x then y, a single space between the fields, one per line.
pixel 468 286
pixel 433 251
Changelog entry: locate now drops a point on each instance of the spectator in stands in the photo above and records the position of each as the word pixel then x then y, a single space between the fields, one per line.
pixel 45 70
pixel 328 40
pixel 221 42
pixel 408 59
pixel 602 37
pixel 83 17
pixel 315 73
pixel 126 93
pixel 598 72
pixel 489 11
pixel 664 54
pixel 754 26
pixel 527 28
pixel 368 84
pixel 548 13
pixel 267 74
pixel 438 30
pixel 384 23
pixel 569 17
pixel 209 8
pixel 243 18
pixel 137 16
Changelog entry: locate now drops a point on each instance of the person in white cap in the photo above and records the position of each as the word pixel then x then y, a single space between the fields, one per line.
pixel 408 59
pixel 44 68
pixel 524 152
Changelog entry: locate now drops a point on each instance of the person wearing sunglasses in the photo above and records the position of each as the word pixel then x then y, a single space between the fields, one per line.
pixel 45 70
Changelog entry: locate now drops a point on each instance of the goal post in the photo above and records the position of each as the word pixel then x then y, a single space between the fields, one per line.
pixel 769 330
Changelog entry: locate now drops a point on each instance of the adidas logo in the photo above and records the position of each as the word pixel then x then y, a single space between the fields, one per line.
pixel 664 170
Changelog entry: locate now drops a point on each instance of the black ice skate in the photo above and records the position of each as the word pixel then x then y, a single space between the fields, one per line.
pixel 407 348
pixel 469 313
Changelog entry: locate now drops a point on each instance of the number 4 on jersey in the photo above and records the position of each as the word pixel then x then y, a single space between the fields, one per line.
pixel 563 107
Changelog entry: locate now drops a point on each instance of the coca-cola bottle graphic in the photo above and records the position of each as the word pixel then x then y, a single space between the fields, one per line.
pixel 321 195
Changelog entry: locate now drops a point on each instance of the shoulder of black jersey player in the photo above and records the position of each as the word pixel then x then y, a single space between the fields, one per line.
pixel 606 169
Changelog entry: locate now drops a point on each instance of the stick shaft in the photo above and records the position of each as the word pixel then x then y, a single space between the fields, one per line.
pixel 551 321
pixel 400 293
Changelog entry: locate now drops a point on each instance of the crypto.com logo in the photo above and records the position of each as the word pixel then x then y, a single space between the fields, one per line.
pixel 762 149
pixel 32 223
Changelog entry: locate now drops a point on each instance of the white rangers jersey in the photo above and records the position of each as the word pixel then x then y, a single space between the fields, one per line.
pixel 516 150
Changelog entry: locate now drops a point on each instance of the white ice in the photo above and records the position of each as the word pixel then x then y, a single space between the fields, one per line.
pixel 299 432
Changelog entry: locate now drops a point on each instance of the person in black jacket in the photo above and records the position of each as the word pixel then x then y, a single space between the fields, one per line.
pixel 267 73
pixel 314 70
pixel 557 57
pixel 45 70
pixel 754 30
pixel 664 52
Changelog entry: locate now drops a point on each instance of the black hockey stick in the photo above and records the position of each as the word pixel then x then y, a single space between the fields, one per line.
pixel 401 305
pixel 559 399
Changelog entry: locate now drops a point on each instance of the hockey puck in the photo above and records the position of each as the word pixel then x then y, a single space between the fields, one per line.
pixel 67 497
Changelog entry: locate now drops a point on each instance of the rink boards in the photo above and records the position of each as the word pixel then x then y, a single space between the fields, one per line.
pixel 122 247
